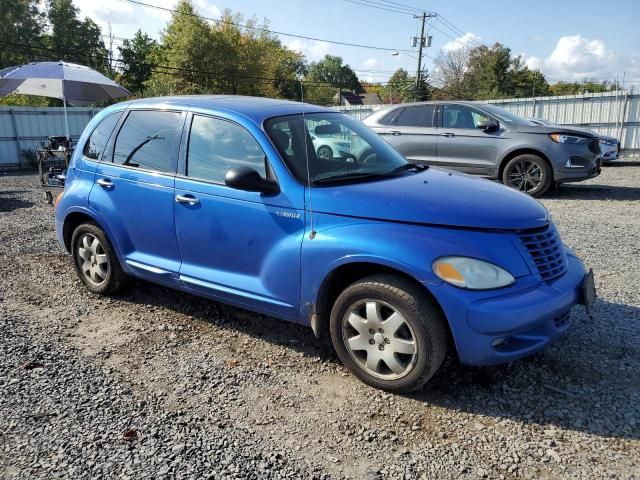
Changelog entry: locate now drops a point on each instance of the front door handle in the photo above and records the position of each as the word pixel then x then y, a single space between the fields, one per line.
pixel 395 132
pixel 188 199
pixel 105 183
pixel 448 134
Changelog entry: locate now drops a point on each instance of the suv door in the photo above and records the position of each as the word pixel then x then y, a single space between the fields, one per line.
pixel 461 145
pixel 134 192
pixel 237 246
pixel 414 134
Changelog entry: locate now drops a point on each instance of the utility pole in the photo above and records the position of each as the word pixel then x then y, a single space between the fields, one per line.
pixel 422 42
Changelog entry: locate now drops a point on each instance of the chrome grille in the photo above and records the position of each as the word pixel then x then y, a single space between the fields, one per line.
pixel 546 251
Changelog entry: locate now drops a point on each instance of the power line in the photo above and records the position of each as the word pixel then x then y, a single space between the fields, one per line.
pixel 175 71
pixel 367 4
pixel 263 29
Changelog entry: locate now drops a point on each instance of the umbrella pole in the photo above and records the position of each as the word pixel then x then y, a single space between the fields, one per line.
pixel 66 118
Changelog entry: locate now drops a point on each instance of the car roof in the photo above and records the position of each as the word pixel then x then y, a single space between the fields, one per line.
pixel 257 109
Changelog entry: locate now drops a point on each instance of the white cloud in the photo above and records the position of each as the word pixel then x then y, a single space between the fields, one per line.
pixel 576 58
pixel 467 40
pixel 118 12
pixel 371 63
pixel 314 51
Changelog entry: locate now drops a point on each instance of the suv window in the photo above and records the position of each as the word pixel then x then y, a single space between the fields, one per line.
pixel 419 116
pixel 460 116
pixel 216 146
pixel 94 148
pixel 147 139
pixel 391 117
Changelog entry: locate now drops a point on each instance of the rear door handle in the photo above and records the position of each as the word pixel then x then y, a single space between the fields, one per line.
pixel 448 134
pixel 188 199
pixel 395 132
pixel 105 183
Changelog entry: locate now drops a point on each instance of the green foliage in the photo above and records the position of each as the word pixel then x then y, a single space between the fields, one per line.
pixel 72 39
pixel 486 72
pixel 575 88
pixel 331 70
pixel 223 57
pixel 21 23
pixel 136 55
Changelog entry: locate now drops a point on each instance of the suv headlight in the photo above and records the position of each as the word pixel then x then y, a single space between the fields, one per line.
pixel 470 273
pixel 566 138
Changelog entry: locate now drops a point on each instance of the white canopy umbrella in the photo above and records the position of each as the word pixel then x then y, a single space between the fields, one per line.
pixel 71 83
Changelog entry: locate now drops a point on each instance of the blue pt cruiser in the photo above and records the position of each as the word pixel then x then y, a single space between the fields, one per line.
pixel 227 197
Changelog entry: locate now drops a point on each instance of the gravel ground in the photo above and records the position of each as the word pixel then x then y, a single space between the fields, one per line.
pixel 160 384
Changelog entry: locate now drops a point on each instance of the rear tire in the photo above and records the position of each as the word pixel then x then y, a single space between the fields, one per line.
pixel 95 261
pixel 389 333
pixel 529 174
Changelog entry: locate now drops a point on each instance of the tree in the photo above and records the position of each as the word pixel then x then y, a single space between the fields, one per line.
pixel 451 69
pixel 398 85
pixel 186 55
pixel 73 39
pixel 21 25
pixel 576 88
pixel 136 56
pixel 331 70
pixel 487 75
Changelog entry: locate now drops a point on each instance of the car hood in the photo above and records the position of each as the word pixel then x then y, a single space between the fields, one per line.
pixel 435 197
pixel 585 132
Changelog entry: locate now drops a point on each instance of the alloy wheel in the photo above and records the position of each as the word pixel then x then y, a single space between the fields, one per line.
pixel 525 175
pixel 380 339
pixel 92 259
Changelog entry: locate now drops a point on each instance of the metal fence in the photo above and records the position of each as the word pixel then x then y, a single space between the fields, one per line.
pixel 24 128
pixel 611 113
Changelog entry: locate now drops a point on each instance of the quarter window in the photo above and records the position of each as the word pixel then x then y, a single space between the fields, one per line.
pixel 419 116
pixel 94 148
pixel 216 146
pixel 147 140
pixel 391 118
pixel 459 116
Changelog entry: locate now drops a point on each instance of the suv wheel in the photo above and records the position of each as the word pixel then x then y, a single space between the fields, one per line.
pixel 529 174
pixel 95 261
pixel 388 333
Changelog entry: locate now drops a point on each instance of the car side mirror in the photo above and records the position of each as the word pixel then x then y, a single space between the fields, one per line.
pixel 488 125
pixel 246 178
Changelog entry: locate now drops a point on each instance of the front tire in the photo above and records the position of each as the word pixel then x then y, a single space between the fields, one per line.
pixel 529 174
pixel 95 262
pixel 325 153
pixel 389 333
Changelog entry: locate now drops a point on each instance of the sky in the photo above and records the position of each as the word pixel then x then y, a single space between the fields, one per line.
pixel 566 40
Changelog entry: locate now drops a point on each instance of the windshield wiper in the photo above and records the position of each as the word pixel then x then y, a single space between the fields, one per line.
pixel 349 176
pixel 409 166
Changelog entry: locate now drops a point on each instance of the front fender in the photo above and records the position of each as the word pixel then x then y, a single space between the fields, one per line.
pixel 407 248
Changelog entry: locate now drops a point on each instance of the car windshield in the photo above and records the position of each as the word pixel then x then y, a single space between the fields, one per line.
pixel 503 115
pixel 338 148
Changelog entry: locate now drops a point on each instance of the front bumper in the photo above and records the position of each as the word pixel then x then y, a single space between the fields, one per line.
pixel 506 327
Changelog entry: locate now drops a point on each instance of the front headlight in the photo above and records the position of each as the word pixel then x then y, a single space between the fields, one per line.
pixel 566 138
pixel 471 273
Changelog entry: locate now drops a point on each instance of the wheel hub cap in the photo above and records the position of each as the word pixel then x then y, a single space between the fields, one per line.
pixel 92 259
pixel 380 339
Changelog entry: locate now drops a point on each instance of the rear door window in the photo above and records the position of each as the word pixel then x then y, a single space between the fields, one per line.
pixel 147 140
pixel 216 146
pixel 418 116
pixel 94 148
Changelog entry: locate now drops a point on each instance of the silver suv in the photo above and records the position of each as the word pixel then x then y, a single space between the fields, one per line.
pixel 483 139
